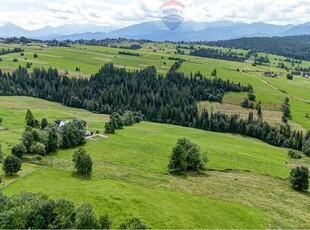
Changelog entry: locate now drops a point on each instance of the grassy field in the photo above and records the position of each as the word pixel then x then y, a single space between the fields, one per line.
pixel 270 91
pixel 246 185
pixel 271 116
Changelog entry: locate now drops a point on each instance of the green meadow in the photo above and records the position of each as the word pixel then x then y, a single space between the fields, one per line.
pixel 246 184
pixel 270 91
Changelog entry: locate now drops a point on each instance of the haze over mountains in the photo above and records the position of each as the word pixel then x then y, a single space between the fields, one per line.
pixel 157 31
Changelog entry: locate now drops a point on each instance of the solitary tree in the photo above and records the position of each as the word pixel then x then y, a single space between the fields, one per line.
pixel 178 160
pixel 251 96
pixel 259 111
pixel 82 162
pixel 186 157
pixel 214 73
pixel 289 76
pixel 299 178
pixel 11 165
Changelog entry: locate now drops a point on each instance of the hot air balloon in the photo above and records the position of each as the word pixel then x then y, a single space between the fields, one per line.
pixel 172 14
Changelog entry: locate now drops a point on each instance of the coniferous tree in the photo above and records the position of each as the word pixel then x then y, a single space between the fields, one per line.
pixel 299 178
pixel 30 120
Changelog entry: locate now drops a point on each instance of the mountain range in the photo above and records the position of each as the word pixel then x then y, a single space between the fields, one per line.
pixel 156 31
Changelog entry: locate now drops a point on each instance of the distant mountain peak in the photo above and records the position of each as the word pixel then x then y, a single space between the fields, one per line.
pixel 157 31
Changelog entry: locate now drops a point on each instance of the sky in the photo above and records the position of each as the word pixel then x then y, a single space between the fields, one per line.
pixel 34 14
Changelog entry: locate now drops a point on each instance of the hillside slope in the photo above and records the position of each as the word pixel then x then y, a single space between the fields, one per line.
pixel 245 186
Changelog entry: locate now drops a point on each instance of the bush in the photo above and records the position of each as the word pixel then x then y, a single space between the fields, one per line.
pixel 289 76
pixel 251 96
pixel 133 223
pixel 15 60
pixel 38 149
pixel 35 55
pixel 299 178
pixel 28 65
pixel 82 162
pixel 11 165
pixel 214 73
pixel 292 154
pixel 19 150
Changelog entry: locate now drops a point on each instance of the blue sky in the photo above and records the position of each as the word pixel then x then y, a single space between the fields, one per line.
pixel 33 14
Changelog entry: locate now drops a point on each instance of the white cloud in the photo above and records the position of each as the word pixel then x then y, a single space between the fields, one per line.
pixel 34 14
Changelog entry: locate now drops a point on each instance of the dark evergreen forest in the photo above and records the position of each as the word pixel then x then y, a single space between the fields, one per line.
pixel 170 99
pixel 297 47
pixel 219 54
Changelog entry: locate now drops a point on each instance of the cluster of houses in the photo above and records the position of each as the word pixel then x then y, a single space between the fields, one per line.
pixel 295 73
pixel 272 74
pixel 302 74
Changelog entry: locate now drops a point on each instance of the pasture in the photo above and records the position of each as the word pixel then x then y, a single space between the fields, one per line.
pixel 244 176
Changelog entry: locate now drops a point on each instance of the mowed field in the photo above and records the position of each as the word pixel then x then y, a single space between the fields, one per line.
pixel 246 184
pixel 270 91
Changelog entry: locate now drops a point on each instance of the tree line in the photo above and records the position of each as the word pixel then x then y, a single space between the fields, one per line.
pixel 219 54
pixel 171 99
pixel 37 211
pixel 129 53
pixel 296 47
pixel 8 51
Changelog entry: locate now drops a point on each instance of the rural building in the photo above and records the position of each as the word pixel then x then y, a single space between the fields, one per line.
pixel 63 123
pixel 297 73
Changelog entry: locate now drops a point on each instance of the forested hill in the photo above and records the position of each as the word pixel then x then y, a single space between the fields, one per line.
pixel 297 47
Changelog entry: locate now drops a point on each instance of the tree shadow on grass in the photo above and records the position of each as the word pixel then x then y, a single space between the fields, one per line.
pixel 80 177
pixel 12 177
pixel 304 193
pixel 187 175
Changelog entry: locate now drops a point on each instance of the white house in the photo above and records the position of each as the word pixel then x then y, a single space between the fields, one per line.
pixel 63 123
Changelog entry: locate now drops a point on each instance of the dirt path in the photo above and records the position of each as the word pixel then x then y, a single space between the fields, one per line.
pixel 267 83
pixel 97 135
